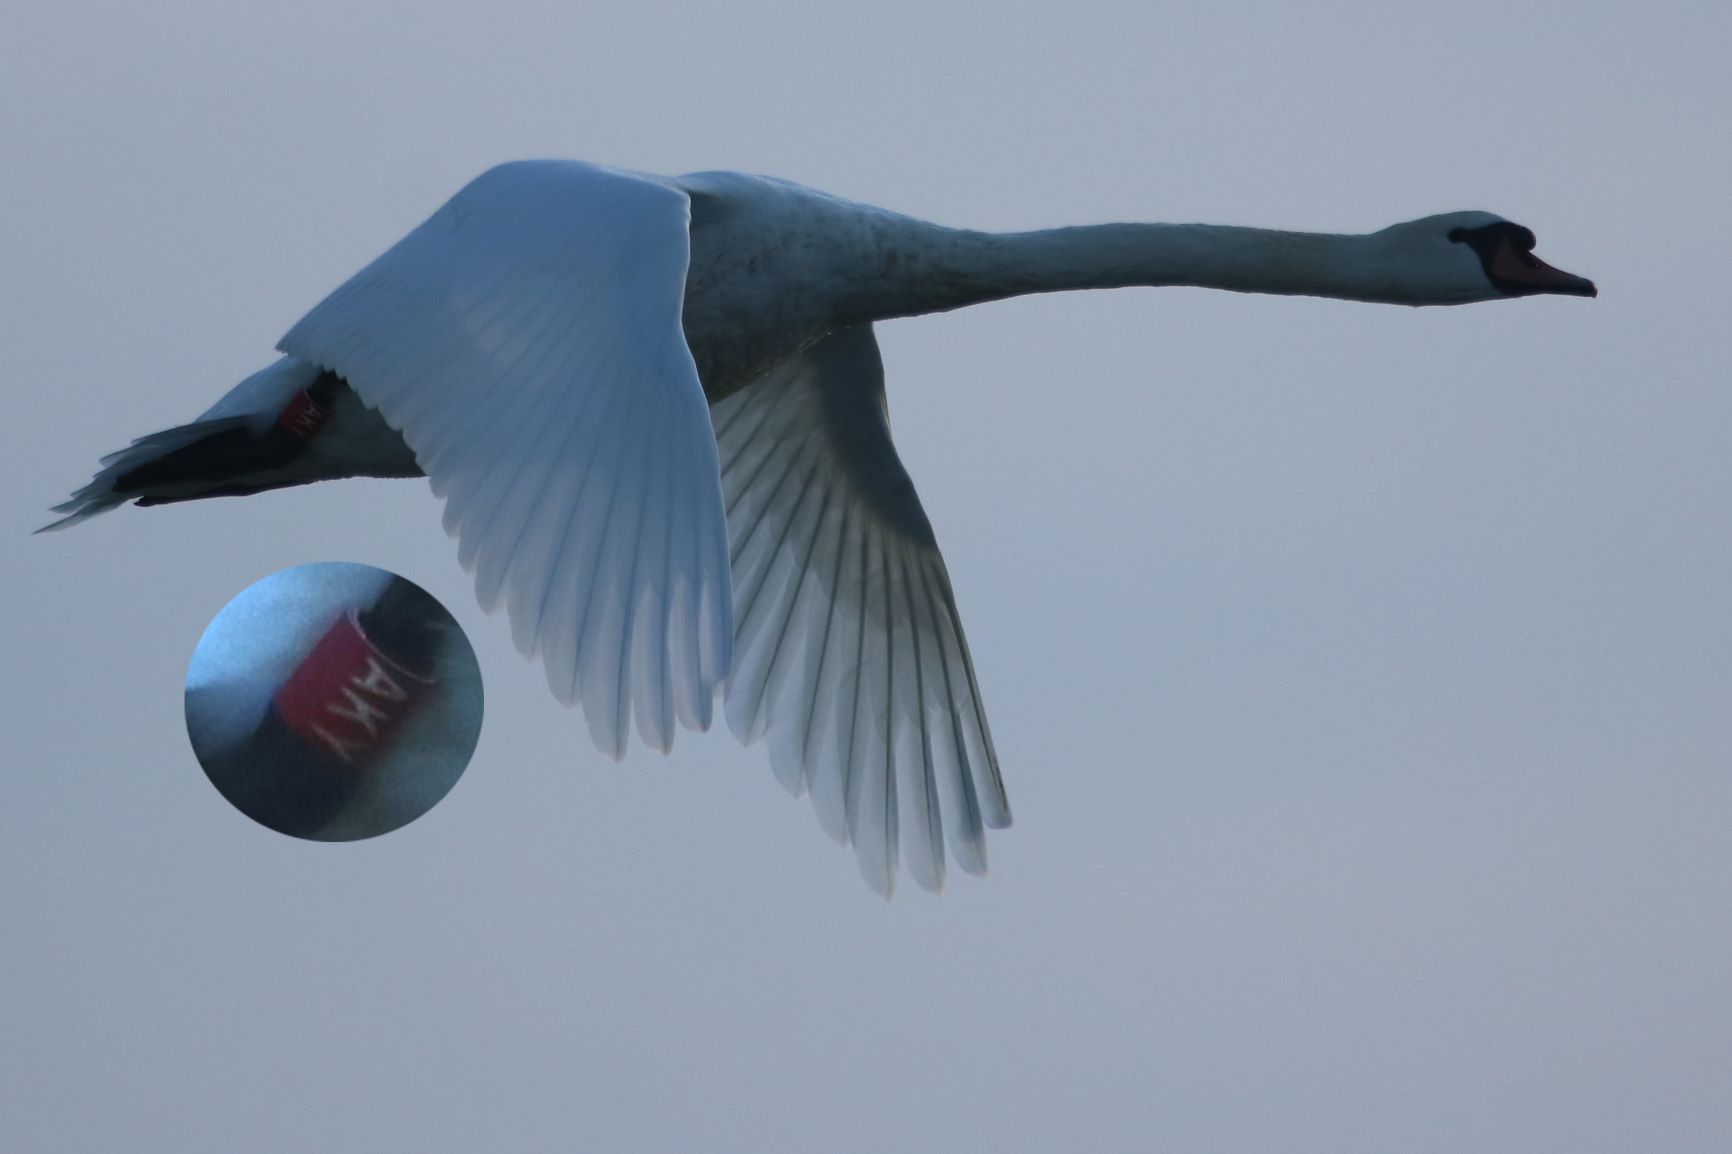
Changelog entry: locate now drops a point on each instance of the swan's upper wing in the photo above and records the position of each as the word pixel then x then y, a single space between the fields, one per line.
pixel 849 649
pixel 526 341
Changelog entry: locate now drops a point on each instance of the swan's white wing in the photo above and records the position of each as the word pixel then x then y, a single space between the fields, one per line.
pixel 849 651
pixel 526 341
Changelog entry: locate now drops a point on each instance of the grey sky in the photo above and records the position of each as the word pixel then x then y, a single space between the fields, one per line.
pixel 1360 674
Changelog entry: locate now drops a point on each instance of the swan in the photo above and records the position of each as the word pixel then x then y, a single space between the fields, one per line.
pixel 654 407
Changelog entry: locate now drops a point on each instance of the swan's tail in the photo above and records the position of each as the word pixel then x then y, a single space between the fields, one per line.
pixel 242 445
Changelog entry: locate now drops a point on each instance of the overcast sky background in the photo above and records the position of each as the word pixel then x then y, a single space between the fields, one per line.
pixel 1361 674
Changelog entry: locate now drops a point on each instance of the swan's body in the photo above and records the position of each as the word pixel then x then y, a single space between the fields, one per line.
pixel 543 349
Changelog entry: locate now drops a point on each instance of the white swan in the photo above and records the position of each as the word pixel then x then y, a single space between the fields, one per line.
pixel 543 348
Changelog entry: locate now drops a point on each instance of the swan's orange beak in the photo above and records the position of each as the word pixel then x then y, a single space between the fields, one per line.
pixel 1536 276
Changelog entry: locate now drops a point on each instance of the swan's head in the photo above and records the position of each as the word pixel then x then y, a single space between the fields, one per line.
pixel 1459 257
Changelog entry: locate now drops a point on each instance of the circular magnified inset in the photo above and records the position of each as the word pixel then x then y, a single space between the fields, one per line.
pixel 333 701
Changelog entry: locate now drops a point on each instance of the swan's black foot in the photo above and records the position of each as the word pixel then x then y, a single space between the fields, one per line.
pixel 232 450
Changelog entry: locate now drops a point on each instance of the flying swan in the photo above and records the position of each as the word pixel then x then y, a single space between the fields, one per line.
pixel 655 409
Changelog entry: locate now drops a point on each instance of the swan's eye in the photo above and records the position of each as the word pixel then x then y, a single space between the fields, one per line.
pixel 1457 234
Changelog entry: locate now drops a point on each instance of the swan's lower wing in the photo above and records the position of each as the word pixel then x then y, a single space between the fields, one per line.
pixel 526 341
pixel 849 651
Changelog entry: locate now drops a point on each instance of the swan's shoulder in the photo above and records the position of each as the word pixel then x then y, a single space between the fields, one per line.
pixel 766 201
pixel 738 187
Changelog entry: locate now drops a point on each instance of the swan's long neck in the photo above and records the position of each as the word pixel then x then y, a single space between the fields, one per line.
pixel 922 268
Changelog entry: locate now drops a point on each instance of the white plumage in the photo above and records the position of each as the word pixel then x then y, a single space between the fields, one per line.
pixel 532 357
pixel 849 651
pixel 543 349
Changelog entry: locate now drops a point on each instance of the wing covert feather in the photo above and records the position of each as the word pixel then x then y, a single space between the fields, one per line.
pixel 526 341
